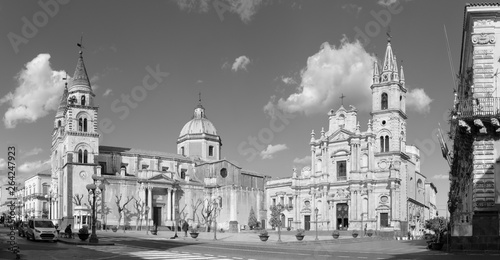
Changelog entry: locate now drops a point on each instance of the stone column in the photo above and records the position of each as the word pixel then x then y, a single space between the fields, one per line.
pixel 169 204
pixel 150 204
pixel 233 221
pixel 334 215
pixel 174 204
pixel 257 208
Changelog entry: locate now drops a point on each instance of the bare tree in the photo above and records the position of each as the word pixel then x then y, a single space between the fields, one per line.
pixel 121 207
pixel 194 207
pixel 77 199
pixel 139 208
pixel 207 212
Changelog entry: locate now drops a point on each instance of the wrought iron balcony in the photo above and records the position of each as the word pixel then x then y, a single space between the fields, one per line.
pixel 482 107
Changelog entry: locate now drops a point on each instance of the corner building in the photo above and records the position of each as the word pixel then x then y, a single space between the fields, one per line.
pixel 361 179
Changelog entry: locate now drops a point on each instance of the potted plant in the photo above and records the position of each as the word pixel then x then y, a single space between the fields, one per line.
pixel 83 233
pixel 154 230
pixel 336 234
pixel 194 232
pixel 300 234
pixel 263 235
pixel 114 228
pixel 355 233
pixel 369 233
pixel 438 225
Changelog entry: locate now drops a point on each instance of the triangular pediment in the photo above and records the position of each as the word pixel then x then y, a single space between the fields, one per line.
pixel 340 134
pixel 161 178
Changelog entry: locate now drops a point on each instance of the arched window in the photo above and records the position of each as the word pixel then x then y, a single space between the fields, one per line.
pixel 85 156
pixel 384 101
pixel 386 143
pixel 83 100
pixel 85 125
pixel 80 156
pixel 80 124
pixel 381 144
pixel 58 123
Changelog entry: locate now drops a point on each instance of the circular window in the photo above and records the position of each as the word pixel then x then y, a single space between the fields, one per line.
pixel 383 122
pixel 384 199
pixel 307 203
pixel 223 173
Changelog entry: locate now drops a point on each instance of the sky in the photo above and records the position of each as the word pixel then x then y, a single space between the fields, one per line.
pixel 268 72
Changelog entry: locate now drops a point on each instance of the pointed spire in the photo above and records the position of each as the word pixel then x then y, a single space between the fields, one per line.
pixel 64 102
pixel 376 73
pixel 322 132
pixel 388 58
pixel 312 136
pixel 80 78
pixel 402 75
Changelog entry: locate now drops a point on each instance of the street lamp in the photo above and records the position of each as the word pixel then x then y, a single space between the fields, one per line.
pixel 92 187
pixel 316 212
pixel 280 208
pixel 215 205
pixel 49 198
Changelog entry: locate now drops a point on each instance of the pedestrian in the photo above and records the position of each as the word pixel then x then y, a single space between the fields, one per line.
pixel 68 231
pixel 185 227
pixel 409 235
pixel 365 228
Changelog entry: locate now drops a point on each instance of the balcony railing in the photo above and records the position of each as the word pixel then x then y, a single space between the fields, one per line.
pixel 478 107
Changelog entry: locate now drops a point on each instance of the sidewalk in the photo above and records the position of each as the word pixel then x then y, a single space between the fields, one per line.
pixel 287 237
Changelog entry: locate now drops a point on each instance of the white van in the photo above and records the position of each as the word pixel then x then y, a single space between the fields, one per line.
pixel 41 229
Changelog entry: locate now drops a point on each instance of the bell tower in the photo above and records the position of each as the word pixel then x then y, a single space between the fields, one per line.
pixel 75 143
pixel 389 104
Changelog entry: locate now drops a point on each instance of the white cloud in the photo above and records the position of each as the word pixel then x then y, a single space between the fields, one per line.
pixel 352 8
pixel 269 152
pixel 332 71
pixel 107 92
pixel 3 163
pixel 304 160
pixel 387 2
pixel 32 152
pixel 38 92
pixel 288 80
pixel 226 65
pixel 246 9
pixel 199 81
pixel 418 101
pixel 29 167
pixel 441 177
pixel 240 63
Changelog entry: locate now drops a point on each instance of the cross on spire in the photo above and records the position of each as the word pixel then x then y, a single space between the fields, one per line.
pixel 80 44
pixel 199 97
pixel 342 99
pixel 66 79
pixel 389 33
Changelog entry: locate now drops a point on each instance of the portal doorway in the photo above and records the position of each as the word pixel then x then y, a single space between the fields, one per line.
pixel 342 216
pixel 157 216
pixel 307 222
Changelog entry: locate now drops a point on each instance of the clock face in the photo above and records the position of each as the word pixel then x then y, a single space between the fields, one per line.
pixel 382 164
pixel 83 175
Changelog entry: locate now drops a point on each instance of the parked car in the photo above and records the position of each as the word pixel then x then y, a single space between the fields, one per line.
pixel 21 229
pixel 41 229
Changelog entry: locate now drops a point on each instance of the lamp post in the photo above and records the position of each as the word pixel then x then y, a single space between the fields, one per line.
pixel 316 212
pixel 92 187
pixel 280 208
pixel 215 205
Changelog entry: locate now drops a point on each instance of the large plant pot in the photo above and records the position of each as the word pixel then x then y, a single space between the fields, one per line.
pixel 264 238
pixel 194 235
pixel 83 237
pixel 369 234
pixel 336 236
pixel 299 237
pixel 355 235
pixel 154 232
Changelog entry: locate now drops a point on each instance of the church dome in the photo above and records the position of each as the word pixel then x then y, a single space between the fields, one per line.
pixel 199 124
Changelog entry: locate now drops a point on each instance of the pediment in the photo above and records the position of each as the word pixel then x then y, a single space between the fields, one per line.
pixel 340 134
pixel 161 178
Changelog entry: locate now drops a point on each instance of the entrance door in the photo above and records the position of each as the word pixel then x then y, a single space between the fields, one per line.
pixel 384 219
pixel 342 216
pixel 307 222
pixel 157 216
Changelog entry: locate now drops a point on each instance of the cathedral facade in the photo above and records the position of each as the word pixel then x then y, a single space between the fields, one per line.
pixel 141 187
pixel 361 180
